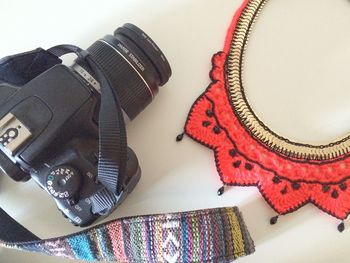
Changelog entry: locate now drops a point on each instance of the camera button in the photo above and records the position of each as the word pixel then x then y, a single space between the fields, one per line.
pixel 63 182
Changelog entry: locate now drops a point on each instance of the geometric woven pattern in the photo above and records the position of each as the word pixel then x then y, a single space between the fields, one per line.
pixel 212 235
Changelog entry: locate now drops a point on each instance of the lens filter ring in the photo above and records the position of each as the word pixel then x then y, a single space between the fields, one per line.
pixel 149 48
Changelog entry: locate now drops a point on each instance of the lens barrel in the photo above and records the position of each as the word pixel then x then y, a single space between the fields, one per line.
pixel 134 65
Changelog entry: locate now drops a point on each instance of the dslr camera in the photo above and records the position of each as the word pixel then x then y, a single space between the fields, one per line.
pixel 56 121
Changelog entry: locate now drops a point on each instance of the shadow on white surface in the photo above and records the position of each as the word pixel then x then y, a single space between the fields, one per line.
pixel 176 176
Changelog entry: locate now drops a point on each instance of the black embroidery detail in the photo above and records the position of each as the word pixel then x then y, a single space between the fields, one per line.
pixel 233 152
pixel 206 123
pixel 248 166
pixel 209 113
pixel 237 164
pixel 216 130
pixel 326 188
pixel 284 190
pixel 335 194
pixel 296 186
pixel 343 186
pixel 276 180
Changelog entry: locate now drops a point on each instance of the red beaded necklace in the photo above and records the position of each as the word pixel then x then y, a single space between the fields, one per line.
pixel 247 153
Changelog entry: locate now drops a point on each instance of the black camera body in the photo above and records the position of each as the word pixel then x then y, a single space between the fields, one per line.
pixel 49 127
pixel 54 115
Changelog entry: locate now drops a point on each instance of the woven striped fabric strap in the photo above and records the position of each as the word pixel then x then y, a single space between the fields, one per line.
pixel 212 235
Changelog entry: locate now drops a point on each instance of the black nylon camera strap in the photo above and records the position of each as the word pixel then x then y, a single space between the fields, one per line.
pixel 112 135
pixel 112 139
pixel 21 68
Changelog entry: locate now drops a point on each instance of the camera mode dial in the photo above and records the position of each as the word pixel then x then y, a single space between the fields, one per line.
pixel 63 182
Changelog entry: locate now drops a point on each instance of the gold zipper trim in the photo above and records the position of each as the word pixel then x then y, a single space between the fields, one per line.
pixel 244 112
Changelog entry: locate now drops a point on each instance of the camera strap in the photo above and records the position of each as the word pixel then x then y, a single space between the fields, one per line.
pixel 212 235
pixel 112 134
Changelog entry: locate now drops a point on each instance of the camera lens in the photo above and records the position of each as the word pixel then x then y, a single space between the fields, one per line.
pixel 134 65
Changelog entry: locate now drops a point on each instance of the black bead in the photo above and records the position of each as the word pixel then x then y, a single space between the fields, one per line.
pixel 180 137
pixel 284 190
pixel 206 123
pixel 273 220
pixel 209 113
pixel 237 164
pixel 341 227
pixel 221 191
pixel 216 130
pixel 296 186
pixel 343 186
pixel 233 152
pixel 276 180
pixel 325 188
pixel 248 166
pixel 335 194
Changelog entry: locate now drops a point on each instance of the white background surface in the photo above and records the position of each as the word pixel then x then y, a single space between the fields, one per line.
pixel 297 79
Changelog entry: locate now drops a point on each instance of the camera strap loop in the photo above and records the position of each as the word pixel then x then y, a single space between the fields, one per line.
pixel 112 135
pixel 22 68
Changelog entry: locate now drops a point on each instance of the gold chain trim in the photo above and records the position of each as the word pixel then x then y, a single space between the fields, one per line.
pixel 244 112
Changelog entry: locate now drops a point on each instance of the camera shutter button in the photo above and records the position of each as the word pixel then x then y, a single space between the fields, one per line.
pixel 63 182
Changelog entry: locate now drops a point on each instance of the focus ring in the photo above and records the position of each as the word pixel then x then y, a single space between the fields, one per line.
pixel 133 92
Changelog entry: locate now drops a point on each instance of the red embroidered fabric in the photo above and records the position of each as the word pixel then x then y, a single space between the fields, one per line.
pixel 286 183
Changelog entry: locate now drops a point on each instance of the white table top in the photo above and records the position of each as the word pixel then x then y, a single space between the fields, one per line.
pixel 297 66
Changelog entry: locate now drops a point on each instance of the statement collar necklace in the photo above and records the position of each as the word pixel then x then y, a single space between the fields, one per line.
pixel 247 153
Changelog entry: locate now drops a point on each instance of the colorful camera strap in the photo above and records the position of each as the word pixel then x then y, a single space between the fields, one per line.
pixel 211 235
